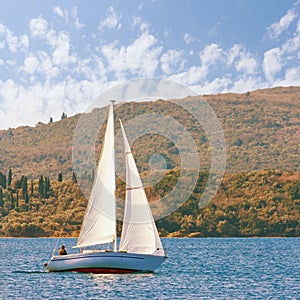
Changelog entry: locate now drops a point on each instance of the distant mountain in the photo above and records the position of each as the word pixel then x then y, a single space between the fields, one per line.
pixel 261 129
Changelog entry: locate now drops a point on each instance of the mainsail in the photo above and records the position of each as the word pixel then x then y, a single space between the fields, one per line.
pixel 139 232
pixel 99 225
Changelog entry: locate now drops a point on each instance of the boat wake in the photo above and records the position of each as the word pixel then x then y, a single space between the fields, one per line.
pixel 30 272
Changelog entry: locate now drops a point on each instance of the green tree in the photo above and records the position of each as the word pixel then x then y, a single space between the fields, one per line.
pixel 1 198
pixel 47 187
pixel 2 180
pixel 60 177
pixel 31 188
pixel 41 187
pixel 24 186
pixel 63 116
pixel 74 179
pixel 9 178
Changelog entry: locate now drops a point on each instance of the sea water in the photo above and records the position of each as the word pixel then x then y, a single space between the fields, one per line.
pixel 209 268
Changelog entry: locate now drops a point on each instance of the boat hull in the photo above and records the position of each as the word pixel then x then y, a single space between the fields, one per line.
pixel 105 262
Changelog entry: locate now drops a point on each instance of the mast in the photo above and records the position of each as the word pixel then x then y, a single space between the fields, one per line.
pixel 115 238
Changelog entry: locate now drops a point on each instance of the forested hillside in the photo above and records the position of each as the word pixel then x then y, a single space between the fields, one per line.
pixel 262 203
pixel 259 194
pixel 261 129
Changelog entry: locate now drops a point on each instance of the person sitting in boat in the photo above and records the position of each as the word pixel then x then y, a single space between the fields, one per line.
pixel 62 250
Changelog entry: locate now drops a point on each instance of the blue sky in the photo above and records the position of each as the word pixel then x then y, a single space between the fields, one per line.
pixel 59 56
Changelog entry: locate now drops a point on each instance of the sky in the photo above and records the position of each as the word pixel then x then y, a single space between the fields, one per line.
pixel 58 56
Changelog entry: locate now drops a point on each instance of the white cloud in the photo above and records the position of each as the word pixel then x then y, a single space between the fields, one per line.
pixel 210 54
pixel 272 63
pixel 61 56
pixel 60 42
pixel 292 45
pixel 172 61
pixel 74 14
pixel 188 38
pixel 69 16
pixel 12 41
pixel 138 22
pixel 234 53
pixel 246 83
pixel 283 58
pixel 47 56
pixel 111 21
pixel 140 58
pixel 192 76
pixel 46 66
pixel 243 60
pixel 246 63
pixel 292 76
pixel 39 102
pixel 215 86
pixel 24 41
pixel 38 27
pixel 58 11
pixel 30 65
pixel 277 28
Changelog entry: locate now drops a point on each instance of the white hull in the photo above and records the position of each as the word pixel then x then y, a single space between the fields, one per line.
pixel 105 262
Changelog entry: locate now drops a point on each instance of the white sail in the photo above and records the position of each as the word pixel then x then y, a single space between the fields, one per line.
pixel 139 232
pixel 99 225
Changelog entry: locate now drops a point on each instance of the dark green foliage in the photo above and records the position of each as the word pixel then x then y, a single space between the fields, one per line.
pixel 60 177
pixel 31 188
pixel 9 177
pixel 262 203
pixel 41 187
pixel 2 180
pixel 294 191
pixel 63 116
pixel 44 187
pixel 74 179
pixel 26 198
pixel 1 198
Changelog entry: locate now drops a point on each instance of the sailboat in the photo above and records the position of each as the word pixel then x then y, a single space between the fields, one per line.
pixel 140 248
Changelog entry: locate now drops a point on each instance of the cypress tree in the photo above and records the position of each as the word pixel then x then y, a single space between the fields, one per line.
pixel 41 188
pixel 9 178
pixel 60 177
pixel 12 200
pixel 74 179
pixel 1 198
pixel 47 187
pixel 26 198
pixel 63 116
pixel 31 188
pixel 17 199
pixel 2 180
pixel 24 187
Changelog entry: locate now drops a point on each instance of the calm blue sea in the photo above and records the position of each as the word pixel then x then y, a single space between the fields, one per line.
pixel 212 268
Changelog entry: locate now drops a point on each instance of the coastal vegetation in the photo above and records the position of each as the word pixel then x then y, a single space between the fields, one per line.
pixel 259 194
pixel 261 203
